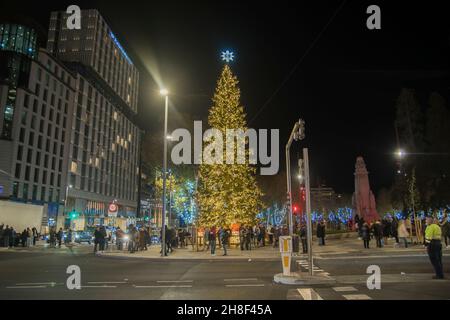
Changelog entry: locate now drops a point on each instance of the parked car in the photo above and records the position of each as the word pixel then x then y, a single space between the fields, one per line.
pixel 83 236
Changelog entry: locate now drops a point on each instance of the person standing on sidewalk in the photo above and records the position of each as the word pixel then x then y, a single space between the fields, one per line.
pixel 35 235
pixel 60 236
pixel 6 235
pixel 119 239
pixel 206 239
pixel 321 233
pixel 303 237
pixel 403 232
pixel 97 236
pixel 445 228
pixel 29 237
pixel 212 240
pixel 394 230
pixel 433 236
pixel 378 233
pixel 365 235
pixel 224 237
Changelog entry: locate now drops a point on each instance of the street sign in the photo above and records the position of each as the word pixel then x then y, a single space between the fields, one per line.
pixel 112 210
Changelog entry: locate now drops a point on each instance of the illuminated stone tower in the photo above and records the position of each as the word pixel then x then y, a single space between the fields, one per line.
pixel 363 198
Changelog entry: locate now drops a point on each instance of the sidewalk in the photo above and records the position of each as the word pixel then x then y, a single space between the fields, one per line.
pixel 267 253
pixel 355 247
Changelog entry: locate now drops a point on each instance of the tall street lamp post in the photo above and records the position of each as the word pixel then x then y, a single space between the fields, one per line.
pixel 69 186
pixel 164 93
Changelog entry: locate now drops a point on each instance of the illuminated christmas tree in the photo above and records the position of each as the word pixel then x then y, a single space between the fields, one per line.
pixel 227 193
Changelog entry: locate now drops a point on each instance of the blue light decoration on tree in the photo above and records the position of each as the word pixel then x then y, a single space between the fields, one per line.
pixel 185 207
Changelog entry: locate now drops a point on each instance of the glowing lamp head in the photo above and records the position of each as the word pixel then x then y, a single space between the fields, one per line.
pixel 400 153
pixel 164 92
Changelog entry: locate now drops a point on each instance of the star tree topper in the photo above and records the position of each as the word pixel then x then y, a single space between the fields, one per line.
pixel 227 56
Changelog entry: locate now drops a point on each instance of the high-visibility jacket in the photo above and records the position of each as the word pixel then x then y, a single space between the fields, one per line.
pixel 432 232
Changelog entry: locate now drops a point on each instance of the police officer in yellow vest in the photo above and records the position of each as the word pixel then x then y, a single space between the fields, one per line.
pixel 434 246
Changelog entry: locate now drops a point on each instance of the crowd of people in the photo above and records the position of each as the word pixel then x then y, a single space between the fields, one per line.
pixel 392 228
pixel 9 237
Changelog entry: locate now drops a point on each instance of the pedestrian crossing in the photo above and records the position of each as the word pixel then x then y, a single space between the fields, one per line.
pixel 330 293
pixel 325 293
pixel 304 267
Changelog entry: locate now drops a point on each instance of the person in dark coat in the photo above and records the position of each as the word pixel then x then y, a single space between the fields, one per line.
pixel 24 237
pixel 242 236
pixel 60 236
pixel 394 229
pixel 97 236
pixel 303 238
pixel 102 239
pixel 248 238
pixel 212 240
pixel 224 237
pixel 6 236
pixel 321 233
pixel 378 233
pixel 365 234
pixel 35 235
pixel 169 240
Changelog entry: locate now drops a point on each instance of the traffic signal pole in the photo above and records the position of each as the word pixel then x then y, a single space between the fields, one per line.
pixel 308 210
pixel 298 133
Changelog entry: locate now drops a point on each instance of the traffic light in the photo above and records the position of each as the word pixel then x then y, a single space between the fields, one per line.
pixel 74 215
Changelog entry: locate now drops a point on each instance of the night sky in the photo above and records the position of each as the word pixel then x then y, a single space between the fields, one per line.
pixel 315 60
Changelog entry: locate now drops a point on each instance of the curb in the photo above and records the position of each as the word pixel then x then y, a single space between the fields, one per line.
pixel 175 258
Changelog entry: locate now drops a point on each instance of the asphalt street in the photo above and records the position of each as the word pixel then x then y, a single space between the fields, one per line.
pixel 41 274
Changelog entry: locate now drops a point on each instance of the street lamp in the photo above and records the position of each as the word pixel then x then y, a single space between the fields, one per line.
pixel 69 186
pixel 400 153
pixel 164 93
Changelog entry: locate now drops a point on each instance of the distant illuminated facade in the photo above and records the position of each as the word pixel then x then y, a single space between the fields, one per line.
pixel 18 38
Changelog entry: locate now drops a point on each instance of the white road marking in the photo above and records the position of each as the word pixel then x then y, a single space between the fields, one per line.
pixel 37 283
pixel 357 297
pixel 104 286
pixel 344 289
pixel 244 285
pixel 107 282
pixel 248 279
pixel 175 281
pixel 309 294
pixel 181 286
pixel 26 287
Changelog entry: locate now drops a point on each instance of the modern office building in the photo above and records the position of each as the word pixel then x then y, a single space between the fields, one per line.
pixel 36 99
pixel 67 124
pixel 95 46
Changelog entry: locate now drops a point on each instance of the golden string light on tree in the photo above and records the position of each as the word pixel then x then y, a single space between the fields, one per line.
pixel 227 193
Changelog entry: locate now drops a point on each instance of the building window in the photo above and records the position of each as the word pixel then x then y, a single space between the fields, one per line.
pixel 26 101
pixel 25 191
pixel 74 167
pixel 27 173
pixel 15 191
pixel 29 155
pixel 19 153
pixel 17 174
pixel 34 196
pixel 42 193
